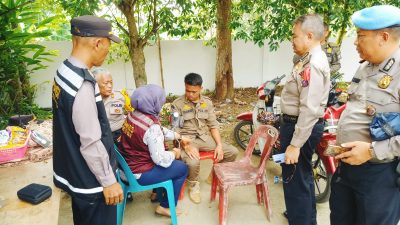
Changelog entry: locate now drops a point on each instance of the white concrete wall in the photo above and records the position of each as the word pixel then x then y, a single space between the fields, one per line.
pixel 251 65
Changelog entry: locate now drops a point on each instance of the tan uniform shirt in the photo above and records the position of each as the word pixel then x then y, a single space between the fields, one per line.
pixel 307 100
pixel 196 118
pixel 363 92
pixel 114 105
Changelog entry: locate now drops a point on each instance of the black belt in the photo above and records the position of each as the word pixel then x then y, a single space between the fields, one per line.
pixel 293 119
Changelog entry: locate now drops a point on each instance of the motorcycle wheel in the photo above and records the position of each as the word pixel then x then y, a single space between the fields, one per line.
pixel 322 180
pixel 242 134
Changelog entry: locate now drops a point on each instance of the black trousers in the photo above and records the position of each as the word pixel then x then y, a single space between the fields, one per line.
pixel 93 212
pixel 365 195
pixel 298 185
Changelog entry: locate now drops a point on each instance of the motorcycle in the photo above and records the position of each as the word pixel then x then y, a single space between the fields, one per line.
pixel 323 166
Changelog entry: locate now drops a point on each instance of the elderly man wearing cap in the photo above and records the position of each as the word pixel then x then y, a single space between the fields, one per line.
pixel 83 160
pixel 364 187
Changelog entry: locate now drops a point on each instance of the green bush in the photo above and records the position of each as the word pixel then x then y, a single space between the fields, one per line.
pixel 20 55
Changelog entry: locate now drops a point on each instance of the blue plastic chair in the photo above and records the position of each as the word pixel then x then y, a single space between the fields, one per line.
pixel 134 186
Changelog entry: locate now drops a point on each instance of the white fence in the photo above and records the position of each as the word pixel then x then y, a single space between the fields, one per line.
pixel 251 65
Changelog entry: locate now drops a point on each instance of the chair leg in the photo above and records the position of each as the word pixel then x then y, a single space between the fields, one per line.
pixel 214 184
pixel 223 205
pixel 267 202
pixel 259 194
pixel 171 203
pixel 121 209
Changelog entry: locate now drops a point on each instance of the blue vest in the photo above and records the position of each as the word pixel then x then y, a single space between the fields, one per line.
pixel 71 172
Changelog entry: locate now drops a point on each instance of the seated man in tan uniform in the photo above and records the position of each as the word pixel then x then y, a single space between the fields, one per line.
pixel 196 121
pixel 113 101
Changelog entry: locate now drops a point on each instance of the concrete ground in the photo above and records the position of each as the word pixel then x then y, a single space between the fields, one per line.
pixel 243 208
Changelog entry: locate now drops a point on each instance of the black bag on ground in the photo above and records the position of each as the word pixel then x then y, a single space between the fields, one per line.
pixel 20 120
pixel 34 193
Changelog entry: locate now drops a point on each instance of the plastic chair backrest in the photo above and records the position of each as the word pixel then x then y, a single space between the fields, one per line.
pixel 127 170
pixel 270 135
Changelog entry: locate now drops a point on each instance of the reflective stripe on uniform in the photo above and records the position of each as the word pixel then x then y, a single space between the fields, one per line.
pixel 77 190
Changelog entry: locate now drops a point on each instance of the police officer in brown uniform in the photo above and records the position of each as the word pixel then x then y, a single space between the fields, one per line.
pixel 113 101
pixel 364 190
pixel 197 120
pixel 303 101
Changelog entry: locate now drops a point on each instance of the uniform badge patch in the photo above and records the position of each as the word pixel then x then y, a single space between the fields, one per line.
pixel 384 82
pixel 56 93
pixel 389 65
pixel 186 107
pixel 203 105
pixel 127 129
pixel 299 65
pixel 305 77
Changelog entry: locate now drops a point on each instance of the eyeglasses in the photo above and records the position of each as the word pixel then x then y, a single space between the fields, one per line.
pixel 278 179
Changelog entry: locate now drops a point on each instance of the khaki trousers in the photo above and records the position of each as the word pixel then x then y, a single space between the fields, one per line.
pixel 206 143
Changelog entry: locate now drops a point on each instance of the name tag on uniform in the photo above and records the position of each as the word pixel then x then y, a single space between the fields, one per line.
pixel 116 108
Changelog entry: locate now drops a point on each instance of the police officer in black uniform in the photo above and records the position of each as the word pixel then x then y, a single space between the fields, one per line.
pixel 83 150
pixel 364 190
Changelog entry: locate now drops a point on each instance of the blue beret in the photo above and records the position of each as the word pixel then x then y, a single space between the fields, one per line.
pixel 377 17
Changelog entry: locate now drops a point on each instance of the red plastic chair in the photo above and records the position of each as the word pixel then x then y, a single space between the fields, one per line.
pixel 204 155
pixel 240 173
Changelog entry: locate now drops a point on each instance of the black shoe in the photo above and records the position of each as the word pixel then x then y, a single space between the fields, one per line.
pixel 129 197
pixel 285 214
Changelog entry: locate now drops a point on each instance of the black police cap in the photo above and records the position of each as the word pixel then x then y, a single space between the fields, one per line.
pixel 92 26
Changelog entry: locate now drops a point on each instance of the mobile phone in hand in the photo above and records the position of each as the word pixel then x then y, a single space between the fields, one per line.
pixel 334 150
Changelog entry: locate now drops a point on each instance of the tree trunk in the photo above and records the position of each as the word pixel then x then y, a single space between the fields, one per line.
pixel 136 44
pixel 343 27
pixel 136 52
pixel 223 71
pixel 160 60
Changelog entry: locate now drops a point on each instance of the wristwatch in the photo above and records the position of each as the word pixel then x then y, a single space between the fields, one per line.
pixel 371 150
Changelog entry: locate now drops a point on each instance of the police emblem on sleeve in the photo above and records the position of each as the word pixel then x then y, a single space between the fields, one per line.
pixel 56 93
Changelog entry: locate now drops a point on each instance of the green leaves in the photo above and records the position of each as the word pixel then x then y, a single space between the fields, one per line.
pixel 20 53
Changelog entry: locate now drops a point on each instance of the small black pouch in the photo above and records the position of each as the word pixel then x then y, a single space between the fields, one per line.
pixel 34 193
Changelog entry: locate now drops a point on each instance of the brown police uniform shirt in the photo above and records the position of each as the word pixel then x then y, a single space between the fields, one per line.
pixel 114 105
pixel 364 92
pixel 196 119
pixel 305 93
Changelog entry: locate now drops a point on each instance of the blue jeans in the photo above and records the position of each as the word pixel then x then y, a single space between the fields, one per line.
pixel 299 186
pixel 177 172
